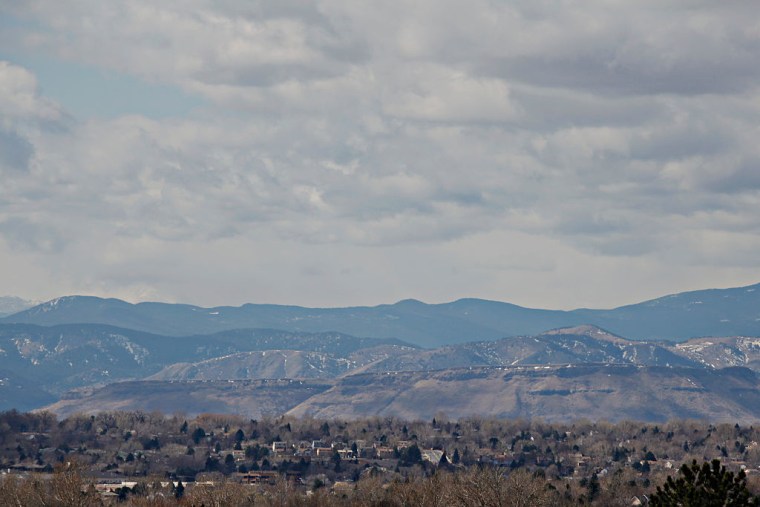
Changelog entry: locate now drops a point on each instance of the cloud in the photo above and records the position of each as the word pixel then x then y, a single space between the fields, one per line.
pixel 439 149
pixel 20 99
pixel 441 94
pixel 23 112
pixel 26 236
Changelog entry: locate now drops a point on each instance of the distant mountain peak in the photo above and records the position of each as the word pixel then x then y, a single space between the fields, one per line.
pixel 59 300
pixel 74 298
pixel 410 302
pixel 695 296
pixel 56 303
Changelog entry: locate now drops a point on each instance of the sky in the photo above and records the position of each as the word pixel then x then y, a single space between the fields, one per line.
pixel 553 154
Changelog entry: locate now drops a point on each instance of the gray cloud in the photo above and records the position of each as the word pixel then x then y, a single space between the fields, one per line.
pixel 430 149
pixel 25 236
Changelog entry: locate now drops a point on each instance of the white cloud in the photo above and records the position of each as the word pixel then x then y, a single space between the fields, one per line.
pixel 20 98
pixel 514 150
pixel 437 93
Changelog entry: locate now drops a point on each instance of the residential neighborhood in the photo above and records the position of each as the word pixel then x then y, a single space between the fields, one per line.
pixel 131 453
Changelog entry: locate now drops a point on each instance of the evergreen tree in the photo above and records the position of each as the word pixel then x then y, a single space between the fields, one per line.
pixel 707 485
pixel 593 488
pixel 229 464
pixel 198 434
pixel 411 455
pixel 179 490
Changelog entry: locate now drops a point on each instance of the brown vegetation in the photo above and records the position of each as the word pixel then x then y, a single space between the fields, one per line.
pixel 152 459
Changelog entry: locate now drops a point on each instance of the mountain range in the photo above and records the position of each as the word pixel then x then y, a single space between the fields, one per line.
pixel 713 312
pixel 92 367
pixel 59 358
pixel 693 355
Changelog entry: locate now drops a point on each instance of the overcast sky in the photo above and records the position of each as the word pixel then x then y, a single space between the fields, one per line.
pixel 552 154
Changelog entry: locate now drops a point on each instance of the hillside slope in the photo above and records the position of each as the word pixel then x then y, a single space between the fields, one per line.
pixel 251 398
pixel 277 364
pixel 554 393
pixel 59 358
pixel 611 392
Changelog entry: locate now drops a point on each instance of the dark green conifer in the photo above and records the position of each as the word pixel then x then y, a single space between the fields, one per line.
pixel 707 485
